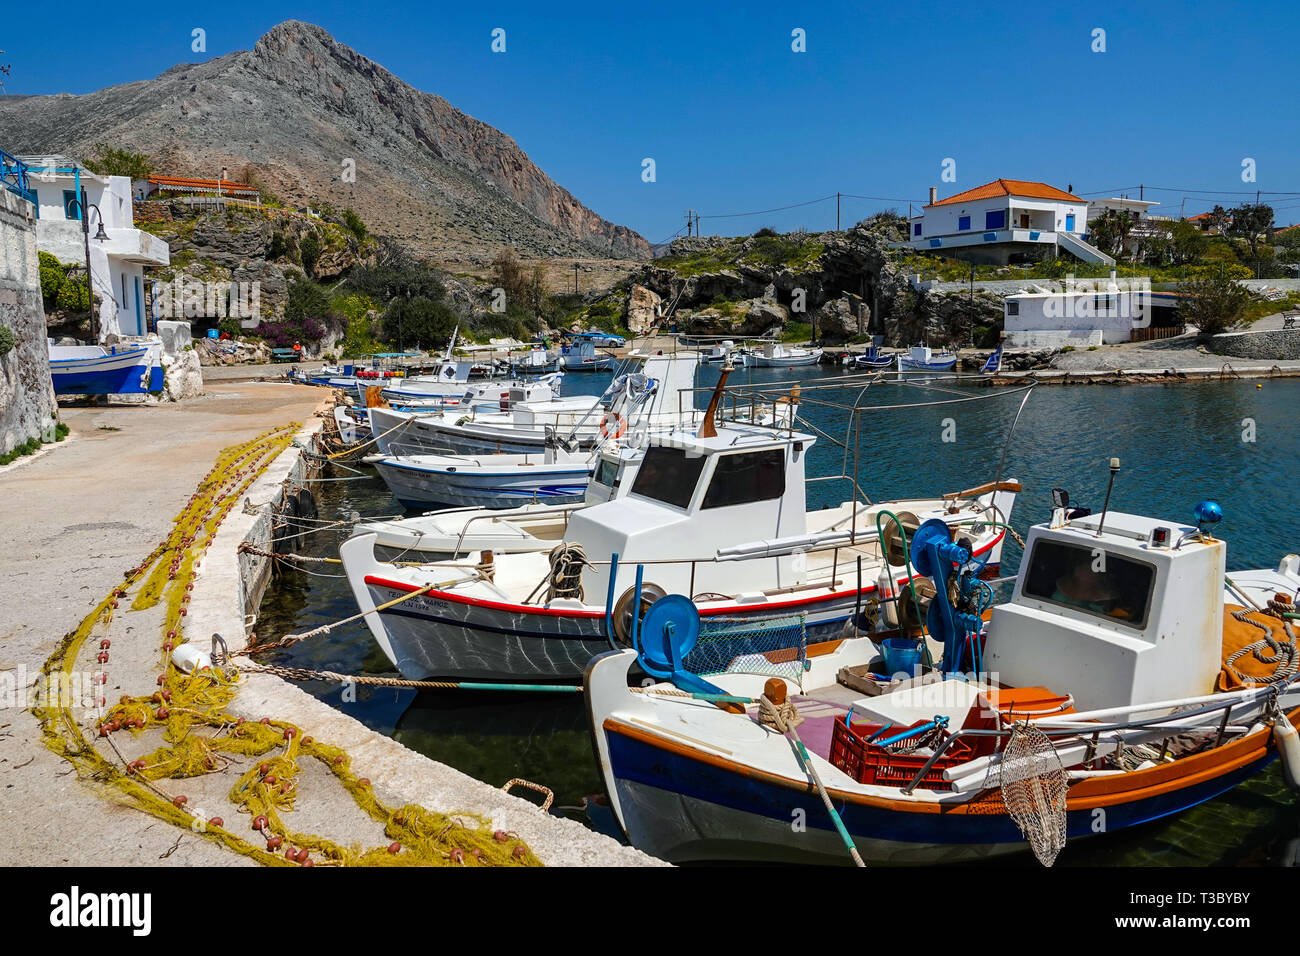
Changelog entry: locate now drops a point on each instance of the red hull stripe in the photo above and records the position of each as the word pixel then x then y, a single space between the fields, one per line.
pixel 574 612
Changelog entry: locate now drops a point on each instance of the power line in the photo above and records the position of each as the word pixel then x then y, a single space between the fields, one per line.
pixel 764 212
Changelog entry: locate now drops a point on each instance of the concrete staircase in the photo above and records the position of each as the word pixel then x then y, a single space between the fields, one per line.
pixel 1082 250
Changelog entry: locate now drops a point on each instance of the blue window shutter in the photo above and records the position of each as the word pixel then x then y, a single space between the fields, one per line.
pixel 963 222
pixel 995 219
pixel 916 229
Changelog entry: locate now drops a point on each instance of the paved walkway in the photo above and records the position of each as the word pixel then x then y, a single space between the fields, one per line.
pixel 74 519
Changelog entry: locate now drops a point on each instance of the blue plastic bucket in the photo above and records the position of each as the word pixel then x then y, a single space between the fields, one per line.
pixel 902 654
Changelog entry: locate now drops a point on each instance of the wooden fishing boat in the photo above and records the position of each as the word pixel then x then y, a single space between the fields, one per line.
pixel 1127 679
pixel 920 358
pixel 486 481
pixel 715 513
pixel 779 355
pixel 105 370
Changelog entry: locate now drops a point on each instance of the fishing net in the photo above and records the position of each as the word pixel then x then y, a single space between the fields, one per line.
pixel 1034 786
pixel 771 646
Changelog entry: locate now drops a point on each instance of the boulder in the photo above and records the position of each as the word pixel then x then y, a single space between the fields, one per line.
pixel 183 375
pixel 642 310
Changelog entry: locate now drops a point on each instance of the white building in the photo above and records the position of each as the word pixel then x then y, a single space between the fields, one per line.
pixel 1003 219
pixel 1087 313
pixel 117 264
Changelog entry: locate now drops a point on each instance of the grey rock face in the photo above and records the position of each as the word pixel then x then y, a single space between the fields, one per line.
pixel 296 109
pixel 27 408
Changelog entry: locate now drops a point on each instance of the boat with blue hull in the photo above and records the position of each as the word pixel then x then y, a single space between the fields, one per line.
pixel 488 481
pixel 106 370
pixel 920 358
pixel 1112 689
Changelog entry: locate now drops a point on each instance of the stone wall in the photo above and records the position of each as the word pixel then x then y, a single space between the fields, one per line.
pixel 1266 346
pixel 27 408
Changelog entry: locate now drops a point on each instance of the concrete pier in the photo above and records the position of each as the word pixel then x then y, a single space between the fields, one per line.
pixel 76 518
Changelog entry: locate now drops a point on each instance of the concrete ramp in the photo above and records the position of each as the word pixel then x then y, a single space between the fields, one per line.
pixel 1082 250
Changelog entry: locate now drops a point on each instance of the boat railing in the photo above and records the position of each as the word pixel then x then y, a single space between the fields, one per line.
pixel 1075 727
pixel 13 174
pixel 495 515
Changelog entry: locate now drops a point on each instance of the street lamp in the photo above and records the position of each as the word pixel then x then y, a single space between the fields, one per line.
pixel 83 211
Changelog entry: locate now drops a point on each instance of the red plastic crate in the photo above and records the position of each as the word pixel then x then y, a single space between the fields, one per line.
pixel 883 766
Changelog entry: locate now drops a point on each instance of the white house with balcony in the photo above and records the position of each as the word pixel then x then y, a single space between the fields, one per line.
pixel 117 263
pixel 1004 220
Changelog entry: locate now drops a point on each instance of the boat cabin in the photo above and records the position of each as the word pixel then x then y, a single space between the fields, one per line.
pixel 1125 611
pixel 692 496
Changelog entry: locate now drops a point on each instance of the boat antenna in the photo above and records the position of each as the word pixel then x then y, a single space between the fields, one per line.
pixel 707 430
pixel 1114 470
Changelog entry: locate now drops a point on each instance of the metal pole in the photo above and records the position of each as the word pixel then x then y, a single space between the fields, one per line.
pixel 90 288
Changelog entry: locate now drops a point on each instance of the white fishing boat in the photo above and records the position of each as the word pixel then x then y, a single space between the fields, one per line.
pixel 485 481
pixel 582 356
pixel 921 358
pixel 455 532
pixel 352 423
pixel 106 370
pixel 660 394
pixel 705 513
pixel 1127 679
pixel 779 355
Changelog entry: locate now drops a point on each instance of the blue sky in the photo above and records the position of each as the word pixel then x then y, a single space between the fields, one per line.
pixel 736 121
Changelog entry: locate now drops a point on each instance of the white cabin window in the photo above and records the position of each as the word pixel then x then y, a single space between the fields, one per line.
pixel 1091 580
pixel 747 477
pixel 606 472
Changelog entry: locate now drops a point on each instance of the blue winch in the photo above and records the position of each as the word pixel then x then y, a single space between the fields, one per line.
pixel 956 625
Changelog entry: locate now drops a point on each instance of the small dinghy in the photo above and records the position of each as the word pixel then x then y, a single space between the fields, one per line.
pixel 106 370
pixel 872 359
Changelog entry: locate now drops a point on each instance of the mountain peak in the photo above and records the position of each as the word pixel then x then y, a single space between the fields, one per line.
pixel 316 121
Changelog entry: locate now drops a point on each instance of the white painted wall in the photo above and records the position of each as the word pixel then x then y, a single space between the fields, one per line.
pixel 1072 318
pixel 1044 216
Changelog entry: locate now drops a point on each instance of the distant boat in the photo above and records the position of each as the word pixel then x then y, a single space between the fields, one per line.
pixel 872 359
pixel 582 357
pixel 919 358
pixel 777 355
pixel 105 370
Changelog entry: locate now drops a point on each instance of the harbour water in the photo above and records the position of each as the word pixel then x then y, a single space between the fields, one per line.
pixel 1232 442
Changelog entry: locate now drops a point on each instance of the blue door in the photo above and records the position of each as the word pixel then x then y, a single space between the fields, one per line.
pixel 1069 223
pixel 139 309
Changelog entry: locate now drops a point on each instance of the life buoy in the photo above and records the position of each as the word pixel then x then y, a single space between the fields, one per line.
pixel 613 425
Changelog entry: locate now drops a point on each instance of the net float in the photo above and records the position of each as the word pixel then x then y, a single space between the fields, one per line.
pixel 395 848
pixel 273 843
pixel 180 801
pixel 260 822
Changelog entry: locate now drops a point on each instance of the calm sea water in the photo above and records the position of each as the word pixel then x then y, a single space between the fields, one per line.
pixel 1178 444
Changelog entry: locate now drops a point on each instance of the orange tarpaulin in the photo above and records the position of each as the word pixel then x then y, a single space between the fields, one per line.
pixel 1238 634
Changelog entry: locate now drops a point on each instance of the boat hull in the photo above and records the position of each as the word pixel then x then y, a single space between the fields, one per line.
pixel 682 808
pixel 127 372
pixel 417 486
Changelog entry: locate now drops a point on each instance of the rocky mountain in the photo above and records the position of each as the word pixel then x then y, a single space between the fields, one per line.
pixel 293 111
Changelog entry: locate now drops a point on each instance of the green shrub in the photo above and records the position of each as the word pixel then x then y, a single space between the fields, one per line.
pixel 51 281
pixel 309 249
pixel 6 340
pixel 230 327
pixel 355 225
pixel 49 260
pixel 73 297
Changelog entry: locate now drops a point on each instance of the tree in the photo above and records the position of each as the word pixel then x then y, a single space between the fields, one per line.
pixel 111 161
pixel 1110 231
pixel 309 250
pixel 1251 222
pixel 1187 243
pixel 1220 220
pixel 1215 304
pixel 354 224
pixel 306 300
pixel 417 321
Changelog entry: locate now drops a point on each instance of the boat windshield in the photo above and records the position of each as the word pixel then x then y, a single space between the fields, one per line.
pixel 606 472
pixel 746 477
pixel 668 475
pixel 1092 580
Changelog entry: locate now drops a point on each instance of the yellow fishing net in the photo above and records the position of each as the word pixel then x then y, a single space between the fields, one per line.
pixel 200 737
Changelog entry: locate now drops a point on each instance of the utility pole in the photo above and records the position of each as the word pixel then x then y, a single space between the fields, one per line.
pixel 689 214
pixel 697 225
pixel 575 278
pixel 837 212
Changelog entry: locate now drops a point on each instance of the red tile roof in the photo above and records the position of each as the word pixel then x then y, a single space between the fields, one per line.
pixel 1009 187
pixel 173 182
